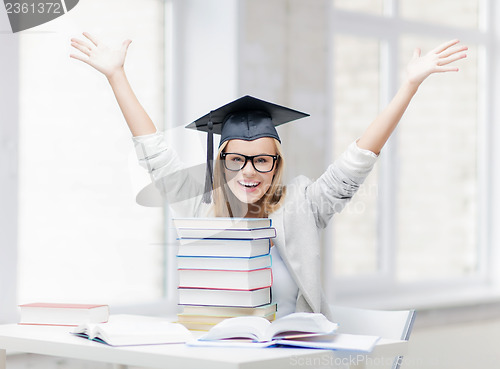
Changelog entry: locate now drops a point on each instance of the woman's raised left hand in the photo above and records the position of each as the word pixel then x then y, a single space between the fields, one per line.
pixel 437 60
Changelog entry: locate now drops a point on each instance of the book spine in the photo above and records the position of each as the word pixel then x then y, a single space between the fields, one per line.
pixel 222 223
pixel 226 298
pixel 226 234
pixel 218 279
pixel 226 270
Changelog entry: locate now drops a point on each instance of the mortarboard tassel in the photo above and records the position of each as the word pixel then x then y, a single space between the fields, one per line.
pixel 207 198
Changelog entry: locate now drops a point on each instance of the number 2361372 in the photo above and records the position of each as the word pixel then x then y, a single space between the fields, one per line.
pixel 39 8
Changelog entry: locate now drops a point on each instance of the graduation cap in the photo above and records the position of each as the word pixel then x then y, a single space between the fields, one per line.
pixel 246 118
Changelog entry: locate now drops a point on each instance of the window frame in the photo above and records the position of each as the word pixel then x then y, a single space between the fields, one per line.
pixel 372 289
pixel 9 133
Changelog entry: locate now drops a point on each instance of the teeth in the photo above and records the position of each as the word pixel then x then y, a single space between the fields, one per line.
pixel 249 184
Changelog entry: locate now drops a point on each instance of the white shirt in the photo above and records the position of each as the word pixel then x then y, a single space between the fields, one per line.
pixel 284 289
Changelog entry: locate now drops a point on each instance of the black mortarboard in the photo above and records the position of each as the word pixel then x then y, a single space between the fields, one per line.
pixel 246 118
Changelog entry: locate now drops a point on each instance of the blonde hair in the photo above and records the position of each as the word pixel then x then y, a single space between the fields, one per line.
pixel 225 202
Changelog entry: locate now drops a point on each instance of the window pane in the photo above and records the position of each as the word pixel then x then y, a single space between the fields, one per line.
pixel 82 237
pixel 365 6
pixel 443 12
pixel 437 197
pixel 356 91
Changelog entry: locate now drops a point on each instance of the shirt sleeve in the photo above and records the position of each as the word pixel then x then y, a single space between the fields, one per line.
pixel 334 189
pixel 176 182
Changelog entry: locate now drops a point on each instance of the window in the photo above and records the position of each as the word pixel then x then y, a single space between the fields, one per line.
pixel 355 232
pixel 423 210
pixel 82 237
pixel 437 196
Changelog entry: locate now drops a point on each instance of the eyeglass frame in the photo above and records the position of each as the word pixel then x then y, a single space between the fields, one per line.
pixel 274 157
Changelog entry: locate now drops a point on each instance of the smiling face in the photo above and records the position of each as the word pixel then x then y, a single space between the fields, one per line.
pixel 249 185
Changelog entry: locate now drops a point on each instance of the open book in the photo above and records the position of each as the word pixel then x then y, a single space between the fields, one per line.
pixel 131 330
pixel 306 330
pixel 258 329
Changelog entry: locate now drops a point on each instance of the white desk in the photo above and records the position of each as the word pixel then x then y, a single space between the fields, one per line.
pixel 57 341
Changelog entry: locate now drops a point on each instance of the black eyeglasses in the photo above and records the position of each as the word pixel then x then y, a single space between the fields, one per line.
pixel 236 162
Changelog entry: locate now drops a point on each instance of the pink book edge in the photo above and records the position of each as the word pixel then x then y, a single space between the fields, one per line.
pixel 226 270
pixel 221 289
pixel 61 305
pixel 56 325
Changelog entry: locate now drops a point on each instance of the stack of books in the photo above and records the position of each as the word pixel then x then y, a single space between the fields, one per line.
pixel 224 267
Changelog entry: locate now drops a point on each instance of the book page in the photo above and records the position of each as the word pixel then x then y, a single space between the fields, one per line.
pixel 89 329
pixel 251 327
pixel 134 329
pixel 350 342
pixel 301 322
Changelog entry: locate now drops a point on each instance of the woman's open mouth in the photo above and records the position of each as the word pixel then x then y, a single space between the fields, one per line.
pixel 248 186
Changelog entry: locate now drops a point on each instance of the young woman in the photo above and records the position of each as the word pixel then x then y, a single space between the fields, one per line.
pixel 249 167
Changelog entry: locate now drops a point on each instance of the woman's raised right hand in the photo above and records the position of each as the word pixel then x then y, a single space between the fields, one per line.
pixel 100 56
